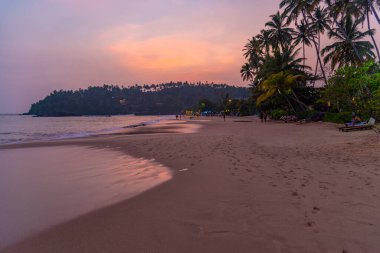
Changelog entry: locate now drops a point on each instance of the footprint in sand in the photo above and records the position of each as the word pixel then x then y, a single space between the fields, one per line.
pixel 316 210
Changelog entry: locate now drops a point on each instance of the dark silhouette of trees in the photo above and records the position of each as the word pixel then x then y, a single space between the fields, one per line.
pixel 161 99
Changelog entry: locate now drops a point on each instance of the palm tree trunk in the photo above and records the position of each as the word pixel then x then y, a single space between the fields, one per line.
pixel 373 39
pixel 290 104
pixel 375 13
pixel 316 48
pixel 303 52
pixel 317 62
pixel 295 97
pixel 315 73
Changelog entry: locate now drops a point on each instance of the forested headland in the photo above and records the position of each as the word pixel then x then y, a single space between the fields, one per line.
pixel 162 99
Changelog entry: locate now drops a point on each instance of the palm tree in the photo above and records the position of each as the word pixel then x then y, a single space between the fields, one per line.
pixel 263 39
pixel 246 72
pixel 252 48
pixel 363 5
pixel 281 84
pixel 285 60
pixel 302 34
pixel 342 52
pixel 296 8
pixel 280 34
pixel 338 8
pixel 253 53
pixel 320 22
pixel 360 8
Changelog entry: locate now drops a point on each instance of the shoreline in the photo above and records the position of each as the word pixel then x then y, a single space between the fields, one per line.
pixel 226 180
pixel 158 127
pixel 22 135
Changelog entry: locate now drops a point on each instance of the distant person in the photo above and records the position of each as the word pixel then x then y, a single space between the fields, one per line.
pixel 261 116
pixel 176 117
pixel 224 116
pixel 356 119
pixel 265 116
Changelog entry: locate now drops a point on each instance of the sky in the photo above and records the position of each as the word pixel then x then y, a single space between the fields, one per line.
pixel 48 45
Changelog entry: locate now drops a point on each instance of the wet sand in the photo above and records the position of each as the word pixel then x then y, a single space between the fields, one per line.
pixel 237 187
pixel 43 186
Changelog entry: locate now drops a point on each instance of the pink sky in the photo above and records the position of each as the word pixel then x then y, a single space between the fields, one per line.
pixel 69 44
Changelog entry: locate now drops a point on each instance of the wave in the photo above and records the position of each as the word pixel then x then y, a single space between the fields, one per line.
pixel 45 131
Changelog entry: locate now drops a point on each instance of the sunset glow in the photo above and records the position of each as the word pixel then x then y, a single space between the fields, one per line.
pixel 69 44
pixel 66 44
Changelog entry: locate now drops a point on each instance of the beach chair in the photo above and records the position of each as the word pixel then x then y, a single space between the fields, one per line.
pixel 289 118
pixel 360 126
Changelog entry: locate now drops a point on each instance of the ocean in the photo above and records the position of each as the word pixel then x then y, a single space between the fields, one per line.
pixel 21 128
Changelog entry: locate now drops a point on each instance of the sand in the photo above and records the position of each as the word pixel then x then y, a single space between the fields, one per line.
pixel 237 187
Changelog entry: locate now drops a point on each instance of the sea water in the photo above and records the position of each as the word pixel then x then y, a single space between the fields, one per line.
pixel 20 128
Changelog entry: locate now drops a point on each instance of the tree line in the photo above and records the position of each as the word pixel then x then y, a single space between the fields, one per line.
pixel 156 99
pixel 276 61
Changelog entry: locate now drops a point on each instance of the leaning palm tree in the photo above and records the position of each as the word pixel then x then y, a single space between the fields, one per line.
pixel 280 34
pixel 281 84
pixel 342 51
pixel 303 35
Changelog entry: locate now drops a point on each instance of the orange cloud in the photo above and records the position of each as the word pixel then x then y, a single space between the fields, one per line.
pixel 185 57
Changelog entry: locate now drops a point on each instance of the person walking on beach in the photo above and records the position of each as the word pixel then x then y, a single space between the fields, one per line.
pixel 261 114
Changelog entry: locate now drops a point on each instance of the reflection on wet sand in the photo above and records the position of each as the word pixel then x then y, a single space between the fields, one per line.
pixel 44 186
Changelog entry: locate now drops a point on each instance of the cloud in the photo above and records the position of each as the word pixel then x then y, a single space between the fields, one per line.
pixel 182 56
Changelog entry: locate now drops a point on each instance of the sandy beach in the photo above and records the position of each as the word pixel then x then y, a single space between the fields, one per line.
pixel 236 187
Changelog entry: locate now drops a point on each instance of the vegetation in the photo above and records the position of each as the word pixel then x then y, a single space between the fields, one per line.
pixel 282 83
pixel 354 89
pixel 164 99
